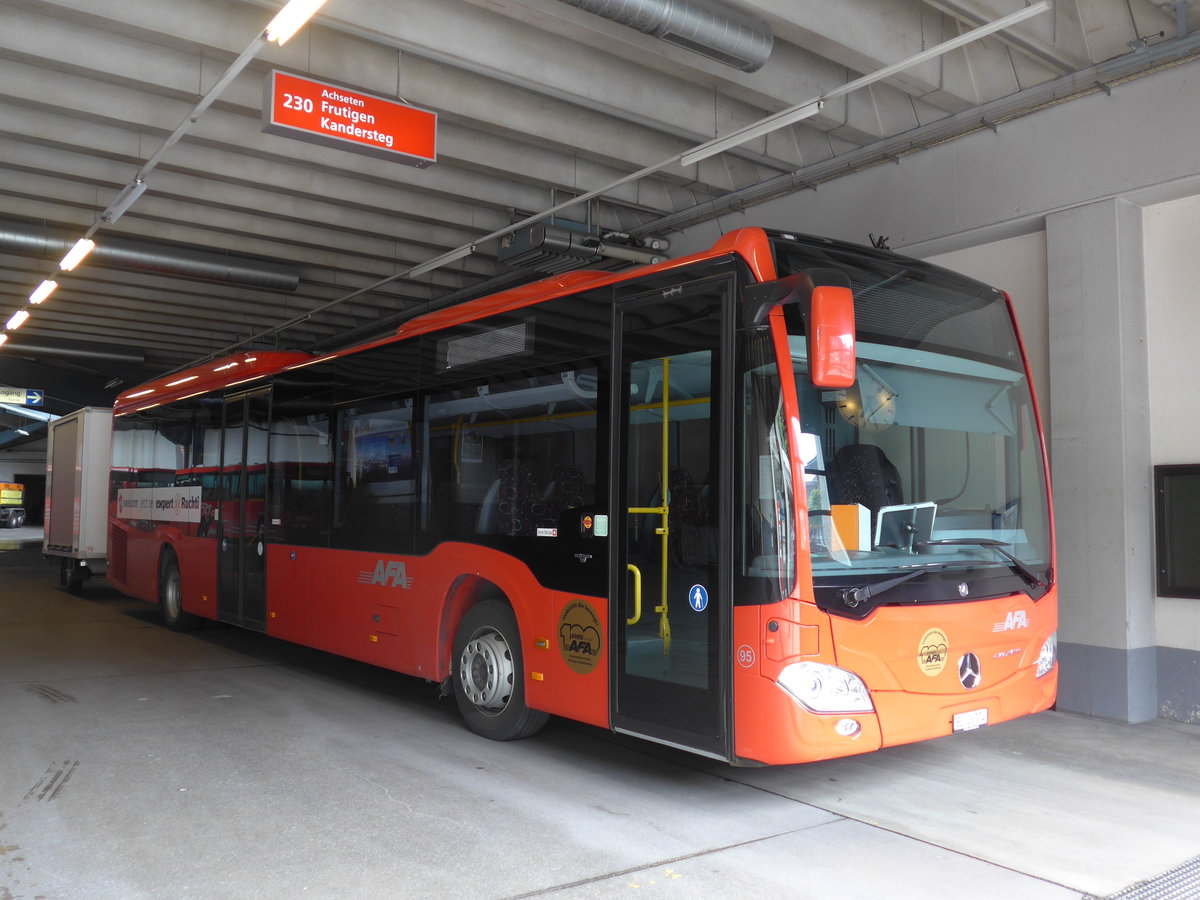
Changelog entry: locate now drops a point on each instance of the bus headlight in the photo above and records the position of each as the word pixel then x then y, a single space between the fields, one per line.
pixel 825 689
pixel 1049 655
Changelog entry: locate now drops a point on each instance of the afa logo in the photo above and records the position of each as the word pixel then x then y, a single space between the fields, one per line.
pixel 579 637
pixel 1014 620
pixel 389 573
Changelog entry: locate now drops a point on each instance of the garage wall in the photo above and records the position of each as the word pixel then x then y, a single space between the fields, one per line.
pixel 1173 327
pixel 1086 213
pixel 1173 331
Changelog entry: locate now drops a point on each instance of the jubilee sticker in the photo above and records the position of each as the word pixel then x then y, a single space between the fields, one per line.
pixel 935 647
pixel 579 638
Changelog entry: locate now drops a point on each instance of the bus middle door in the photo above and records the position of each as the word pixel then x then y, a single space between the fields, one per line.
pixel 241 532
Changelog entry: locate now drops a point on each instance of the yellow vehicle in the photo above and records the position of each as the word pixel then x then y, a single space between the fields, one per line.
pixel 12 510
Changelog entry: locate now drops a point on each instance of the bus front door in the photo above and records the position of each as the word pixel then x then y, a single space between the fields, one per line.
pixel 241 551
pixel 672 619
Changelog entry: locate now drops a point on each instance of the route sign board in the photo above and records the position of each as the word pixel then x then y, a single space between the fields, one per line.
pixel 347 119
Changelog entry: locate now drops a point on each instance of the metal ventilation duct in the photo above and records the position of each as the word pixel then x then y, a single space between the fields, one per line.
pixel 25 237
pixel 71 350
pixel 726 35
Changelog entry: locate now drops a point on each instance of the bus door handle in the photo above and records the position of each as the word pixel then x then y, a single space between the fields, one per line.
pixel 637 594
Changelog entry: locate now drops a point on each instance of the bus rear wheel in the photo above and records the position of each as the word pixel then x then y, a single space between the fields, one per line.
pixel 170 597
pixel 488 675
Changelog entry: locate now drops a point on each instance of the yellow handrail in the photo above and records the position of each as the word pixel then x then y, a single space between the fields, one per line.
pixel 663 511
pixel 664 624
pixel 637 594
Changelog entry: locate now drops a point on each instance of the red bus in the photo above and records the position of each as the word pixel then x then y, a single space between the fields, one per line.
pixel 779 501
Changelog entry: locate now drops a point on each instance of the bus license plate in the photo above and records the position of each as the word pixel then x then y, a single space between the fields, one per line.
pixel 969 721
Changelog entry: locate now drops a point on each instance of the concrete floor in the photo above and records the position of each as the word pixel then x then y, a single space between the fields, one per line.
pixel 135 762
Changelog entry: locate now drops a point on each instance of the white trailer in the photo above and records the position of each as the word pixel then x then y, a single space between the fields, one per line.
pixel 78 456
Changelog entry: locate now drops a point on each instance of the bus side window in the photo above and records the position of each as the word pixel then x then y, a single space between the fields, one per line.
pixel 376 477
pixel 300 494
pixel 509 457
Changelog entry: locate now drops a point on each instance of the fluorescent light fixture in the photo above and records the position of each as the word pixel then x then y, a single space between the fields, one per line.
pixel 291 19
pixel 42 291
pixel 29 412
pixel 124 200
pixel 23 431
pixel 76 254
pixel 3 338
pixel 750 132
pixel 17 319
pixel 812 107
pixel 182 381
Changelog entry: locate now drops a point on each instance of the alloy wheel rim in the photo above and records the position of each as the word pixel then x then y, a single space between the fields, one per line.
pixel 486 671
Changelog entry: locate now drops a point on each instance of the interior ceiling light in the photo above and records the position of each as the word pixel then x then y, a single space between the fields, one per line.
pixel 17 319
pixel 42 291
pixel 76 254
pixel 291 19
pixel 3 338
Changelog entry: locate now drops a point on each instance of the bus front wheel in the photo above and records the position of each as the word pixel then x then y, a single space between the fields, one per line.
pixel 488 675
pixel 170 597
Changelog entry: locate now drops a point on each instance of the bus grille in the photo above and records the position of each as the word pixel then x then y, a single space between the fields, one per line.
pixel 118 554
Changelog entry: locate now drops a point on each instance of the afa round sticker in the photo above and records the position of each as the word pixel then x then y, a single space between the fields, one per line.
pixel 932 652
pixel 579 638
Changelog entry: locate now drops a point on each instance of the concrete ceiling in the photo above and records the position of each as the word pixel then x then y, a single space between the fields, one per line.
pixel 538 101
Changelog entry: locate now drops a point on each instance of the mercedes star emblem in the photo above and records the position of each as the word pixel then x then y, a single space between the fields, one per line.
pixel 968 671
pixel 963 590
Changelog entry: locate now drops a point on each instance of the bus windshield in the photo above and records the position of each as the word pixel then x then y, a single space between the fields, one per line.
pixel 924 479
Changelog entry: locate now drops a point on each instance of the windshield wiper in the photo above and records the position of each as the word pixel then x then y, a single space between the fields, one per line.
pixel 854 596
pixel 1030 576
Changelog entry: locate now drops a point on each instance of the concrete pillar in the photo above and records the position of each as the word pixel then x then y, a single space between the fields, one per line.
pixel 1101 463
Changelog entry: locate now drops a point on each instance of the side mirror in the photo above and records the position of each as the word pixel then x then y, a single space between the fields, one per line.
pixel 827 305
pixel 830 328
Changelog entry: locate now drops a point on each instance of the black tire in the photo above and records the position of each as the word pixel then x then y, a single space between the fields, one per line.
pixel 488 675
pixel 70 576
pixel 170 597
